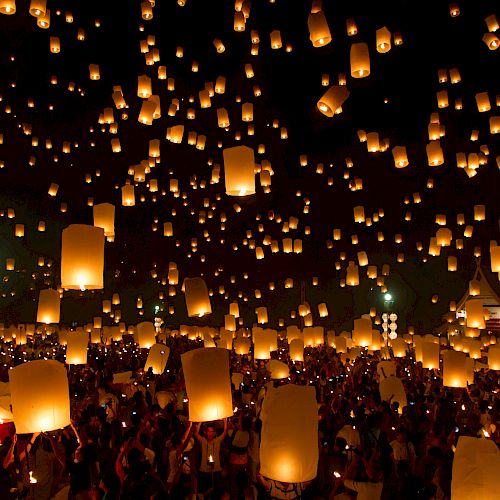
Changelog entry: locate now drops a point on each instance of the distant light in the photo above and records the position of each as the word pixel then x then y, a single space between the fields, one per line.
pixel 388 297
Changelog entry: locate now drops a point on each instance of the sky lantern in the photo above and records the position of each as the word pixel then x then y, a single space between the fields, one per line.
pixel 289 439
pixel 146 334
pixel 7 7
pixel 319 32
pixel 239 171
pixel 208 385
pixel 278 369
pixel 38 7
pixel 392 389
pixel 128 195
pixel 104 216
pixel 360 60
pixel 39 396
pixel 332 100
pixel 475 469
pixel 362 333
pixel 383 37
pixel 296 349
pixel 475 313
pixel 454 369
pixel 76 351
pixel 157 358
pixel 49 306
pixel 82 257
pixel 196 296
pixel 430 355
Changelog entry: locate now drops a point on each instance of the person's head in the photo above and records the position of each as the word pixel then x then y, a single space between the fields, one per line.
pixel 210 432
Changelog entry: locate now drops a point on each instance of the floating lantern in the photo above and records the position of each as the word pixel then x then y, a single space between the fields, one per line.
pixel 289 442
pixel 383 39
pixel 360 60
pixel 333 99
pixel 146 334
pixel 104 216
pixel 239 171
pixel 475 469
pixel 362 333
pixel 319 32
pixel 296 349
pixel 278 369
pixel 39 396
pixel 82 257
pixel 474 313
pixel 49 306
pixel 157 358
pixel 196 296
pixel 208 386
pixel 76 351
pixel 454 369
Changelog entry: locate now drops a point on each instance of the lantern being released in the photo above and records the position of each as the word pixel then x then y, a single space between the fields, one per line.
pixel 82 257
pixel 239 166
pixel 475 469
pixel 289 443
pixel 40 396
pixel 196 295
pixel 76 351
pixel 146 334
pixel 49 306
pixel 157 358
pixel 208 386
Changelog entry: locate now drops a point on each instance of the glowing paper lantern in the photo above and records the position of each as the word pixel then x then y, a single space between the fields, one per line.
pixel 475 314
pixel 360 60
pixel 208 386
pixel 386 369
pixel 332 100
pixel 40 396
pixel 242 346
pixel 454 369
pixel 392 389
pixel 38 7
pixel 383 36
pixel 76 351
pixel 319 32
pixel 49 306
pixel 278 369
pixel 239 166
pixel 196 296
pixel 430 355
pixel 475 469
pixel 7 7
pixel 362 333
pixel 157 358
pixel 82 257
pixel 289 439
pixel 104 216
pixel 296 349
pixel 494 357
pixel 146 334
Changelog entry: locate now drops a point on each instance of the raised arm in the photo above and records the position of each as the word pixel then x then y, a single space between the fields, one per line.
pixel 197 434
pixel 9 458
pixel 185 440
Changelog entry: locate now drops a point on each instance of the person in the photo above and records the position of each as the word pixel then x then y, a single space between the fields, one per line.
pixel 371 489
pixel 239 438
pixel 210 467
pixel 178 445
pixel 402 449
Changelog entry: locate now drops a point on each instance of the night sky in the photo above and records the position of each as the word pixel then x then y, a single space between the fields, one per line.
pixel 396 101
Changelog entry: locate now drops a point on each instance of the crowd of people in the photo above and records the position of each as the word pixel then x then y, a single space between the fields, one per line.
pixel 134 440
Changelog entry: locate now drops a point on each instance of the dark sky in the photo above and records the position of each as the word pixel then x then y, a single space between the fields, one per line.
pixel 406 77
